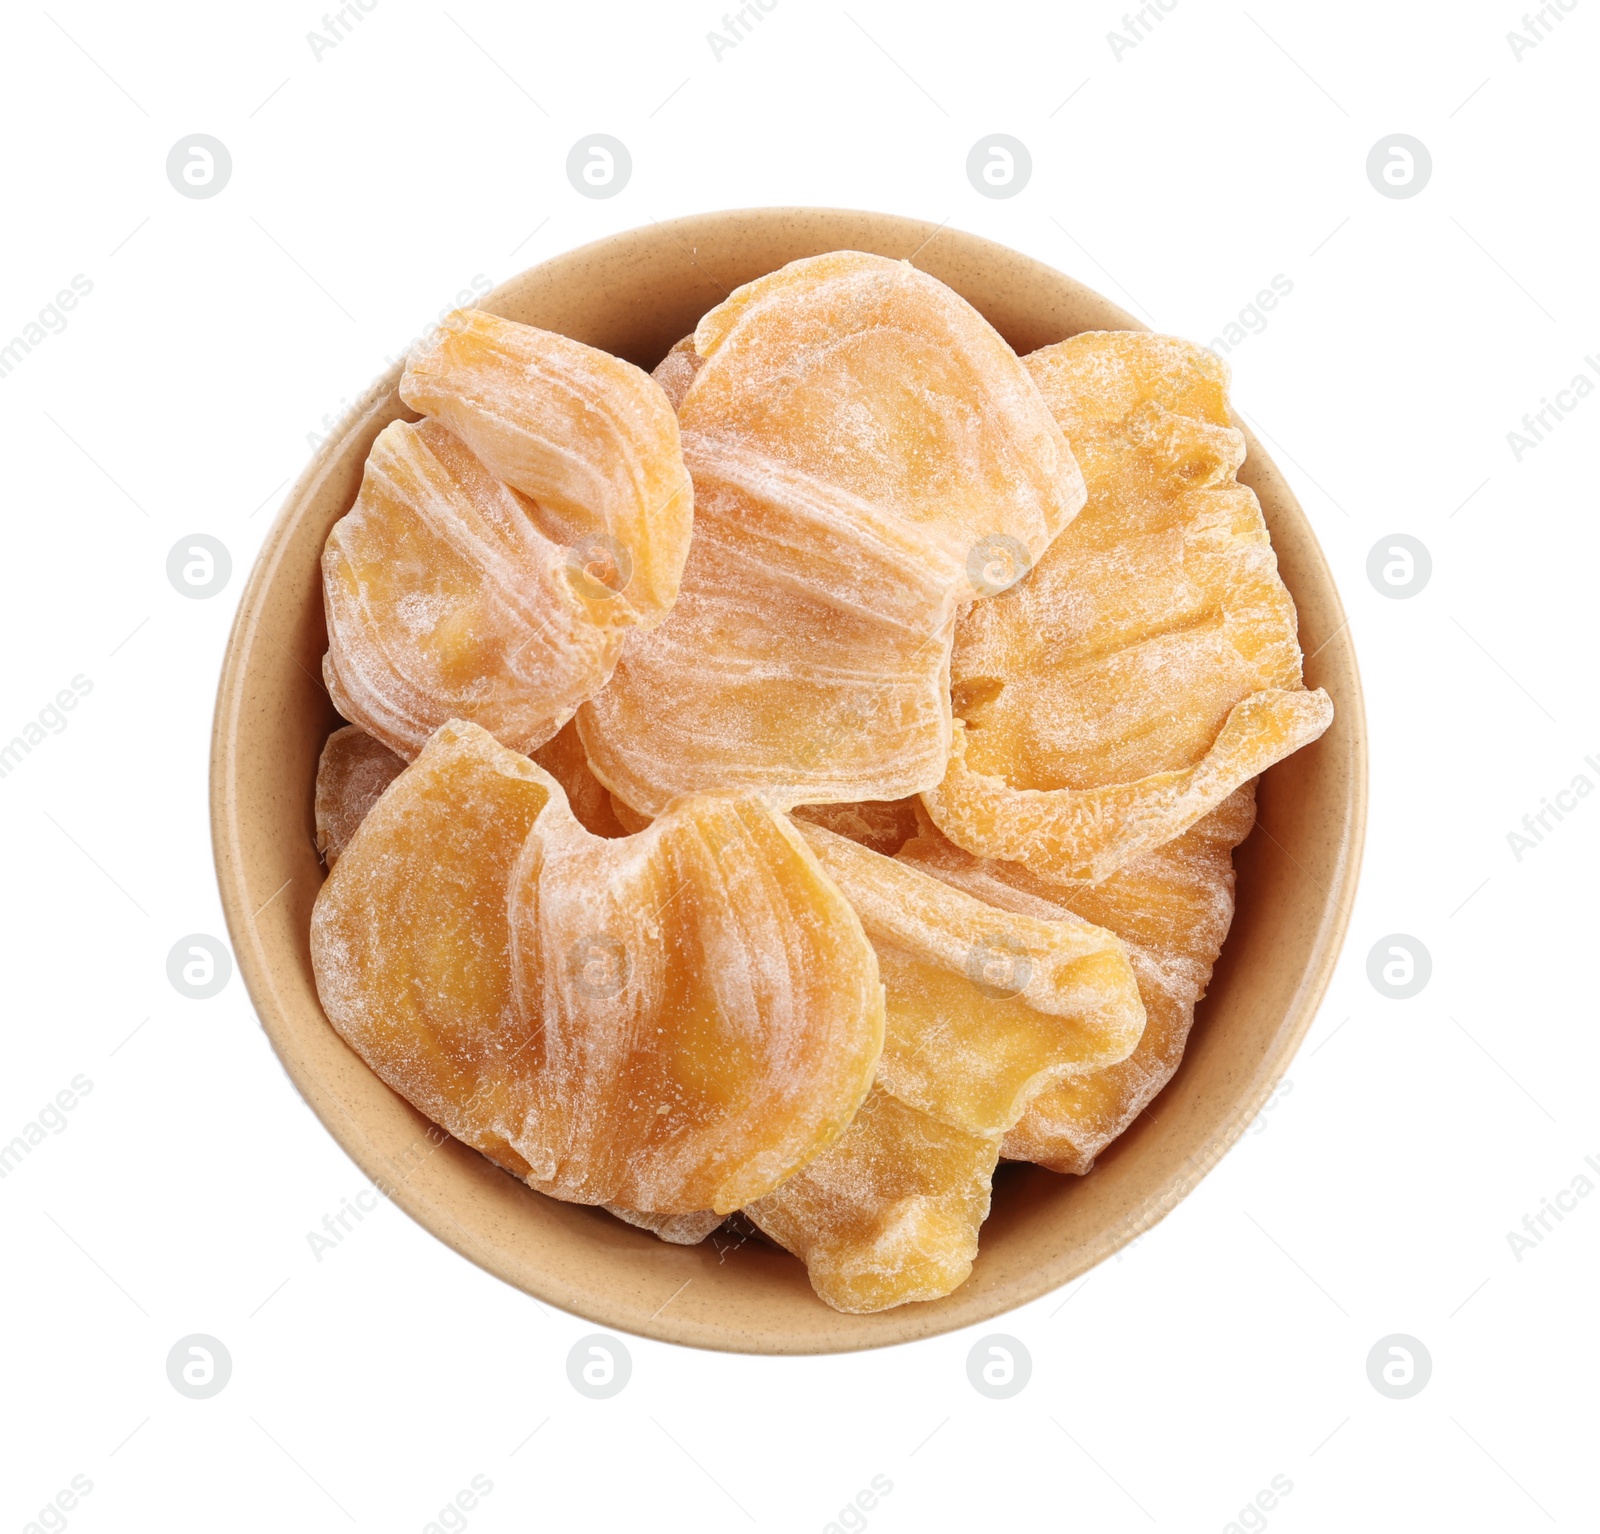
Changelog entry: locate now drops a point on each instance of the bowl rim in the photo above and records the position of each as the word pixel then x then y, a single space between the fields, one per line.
pixel 907 1322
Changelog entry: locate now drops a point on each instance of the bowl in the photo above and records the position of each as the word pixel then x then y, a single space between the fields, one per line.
pixel 634 294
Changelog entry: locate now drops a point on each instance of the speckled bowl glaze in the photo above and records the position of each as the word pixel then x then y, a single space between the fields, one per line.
pixel 634 294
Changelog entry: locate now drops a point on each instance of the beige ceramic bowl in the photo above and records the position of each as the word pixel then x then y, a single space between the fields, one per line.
pixel 635 294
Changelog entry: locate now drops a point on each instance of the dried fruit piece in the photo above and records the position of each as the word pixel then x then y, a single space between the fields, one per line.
pixel 984 1008
pixel 411 946
pixel 866 452
pixel 806 658
pixel 675 372
pixel 444 600
pixel 883 825
pixel 876 378
pixel 562 757
pixel 1087 834
pixel 671 1023
pixel 1149 665
pixel 352 773
pixel 591 438
pixel 1172 907
pixel 679 1229
pixel 889 1214
pixel 712 1015
pixel 630 820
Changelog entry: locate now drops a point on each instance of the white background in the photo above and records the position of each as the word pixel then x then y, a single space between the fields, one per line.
pixel 368 187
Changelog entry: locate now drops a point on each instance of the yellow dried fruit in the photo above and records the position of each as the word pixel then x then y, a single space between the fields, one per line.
pixel 1148 666
pixel 590 438
pixel 562 757
pixel 352 773
pixel 711 1011
pixel 883 825
pixel 985 1010
pixel 1172 907
pixel 891 1213
pixel 445 600
pixel 679 1229
pixel 866 452
pixel 671 1023
pixel 806 659
pixel 675 372
pixel 411 945
pixel 876 378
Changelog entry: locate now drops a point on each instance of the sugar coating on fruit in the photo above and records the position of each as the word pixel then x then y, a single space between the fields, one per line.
pixel 711 1014
pixel 885 825
pixel 411 945
pixel 890 1214
pixel 563 758
pixel 675 372
pixel 445 600
pixel 591 439
pixel 670 1023
pixel 985 1008
pixel 875 377
pixel 679 1229
pixel 866 450
pixel 1172 907
pixel 352 773
pixel 807 656
pixel 1148 665
pixel 1084 835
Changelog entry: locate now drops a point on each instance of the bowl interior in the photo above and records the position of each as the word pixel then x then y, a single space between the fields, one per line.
pixel 635 294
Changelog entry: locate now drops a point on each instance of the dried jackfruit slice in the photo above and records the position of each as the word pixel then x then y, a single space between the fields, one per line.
pixel 874 377
pixel 669 1023
pixel 1172 907
pixel 679 1229
pixel 445 600
pixel 352 773
pixel 890 1213
pixel 885 825
pixel 563 758
pixel 630 820
pixel 410 943
pixel 984 1008
pixel 867 453
pixel 1148 665
pixel 590 438
pixel 711 1010
pixel 675 372
pixel 1073 835
pixel 806 658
